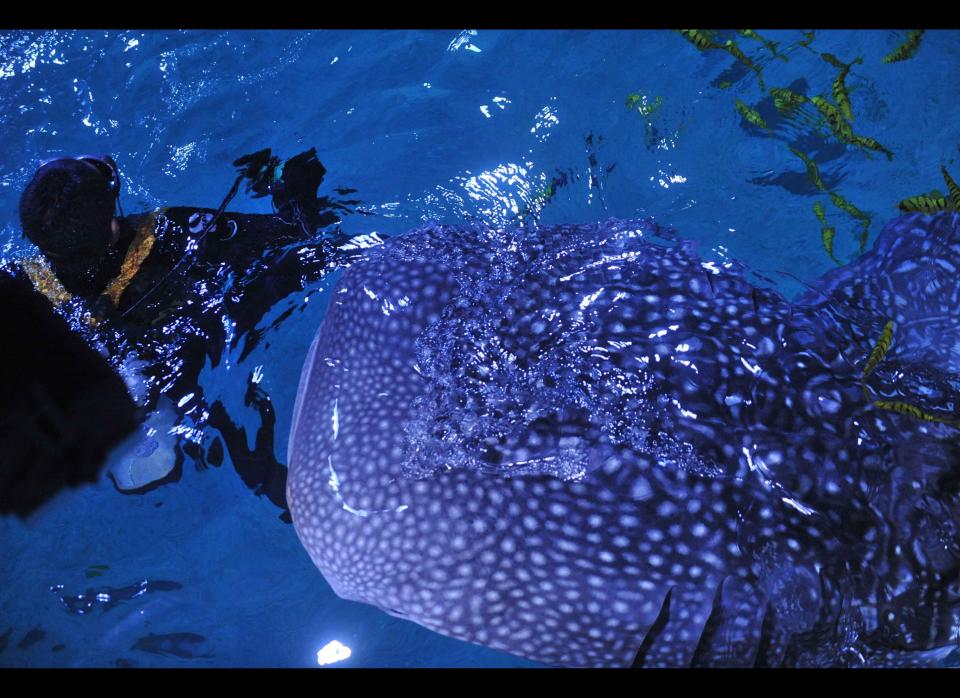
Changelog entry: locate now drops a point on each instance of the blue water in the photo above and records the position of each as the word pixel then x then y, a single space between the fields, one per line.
pixel 427 126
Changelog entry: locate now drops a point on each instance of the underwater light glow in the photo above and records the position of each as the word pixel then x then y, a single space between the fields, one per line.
pixel 332 652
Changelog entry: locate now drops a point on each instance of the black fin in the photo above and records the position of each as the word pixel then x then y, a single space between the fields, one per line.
pixel 765 646
pixel 663 617
pixel 714 620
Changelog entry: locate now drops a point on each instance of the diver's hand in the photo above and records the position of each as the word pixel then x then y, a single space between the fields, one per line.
pixel 260 171
pixel 255 395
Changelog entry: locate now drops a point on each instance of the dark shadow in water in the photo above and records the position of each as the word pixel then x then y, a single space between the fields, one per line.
pixel 31 638
pixel 258 468
pixel 183 645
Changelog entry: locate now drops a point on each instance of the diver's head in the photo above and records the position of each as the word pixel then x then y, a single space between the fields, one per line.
pixel 67 209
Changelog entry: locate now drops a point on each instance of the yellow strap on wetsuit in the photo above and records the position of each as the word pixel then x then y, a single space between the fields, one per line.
pixel 138 251
pixel 45 281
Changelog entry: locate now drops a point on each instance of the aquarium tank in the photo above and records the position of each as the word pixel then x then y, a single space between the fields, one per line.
pixel 480 348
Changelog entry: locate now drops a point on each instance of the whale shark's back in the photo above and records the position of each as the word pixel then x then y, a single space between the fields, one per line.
pixel 583 445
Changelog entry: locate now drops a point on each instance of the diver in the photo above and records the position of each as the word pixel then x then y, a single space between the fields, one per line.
pixel 168 290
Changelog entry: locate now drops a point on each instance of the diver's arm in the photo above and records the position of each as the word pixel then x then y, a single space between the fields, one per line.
pixel 291 184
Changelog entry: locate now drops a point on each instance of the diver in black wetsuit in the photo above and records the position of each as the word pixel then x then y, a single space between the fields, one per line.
pixel 171 286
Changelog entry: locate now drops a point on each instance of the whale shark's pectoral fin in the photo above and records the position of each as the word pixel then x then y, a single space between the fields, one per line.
pixel 732 633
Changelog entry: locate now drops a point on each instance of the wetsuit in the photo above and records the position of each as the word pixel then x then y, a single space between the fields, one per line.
pixel 200 290
pixel 182 283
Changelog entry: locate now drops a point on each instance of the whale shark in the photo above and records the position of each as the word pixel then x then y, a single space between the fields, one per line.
pixel 588 446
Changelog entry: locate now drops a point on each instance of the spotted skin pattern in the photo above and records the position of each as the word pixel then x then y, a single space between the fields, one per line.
pixel 586 446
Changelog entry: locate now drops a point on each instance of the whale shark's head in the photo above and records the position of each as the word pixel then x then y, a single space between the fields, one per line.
pixel 586 446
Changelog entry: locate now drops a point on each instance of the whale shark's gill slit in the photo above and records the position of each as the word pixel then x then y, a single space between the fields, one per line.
pixel 663 617
pixel 714 621
pixel 764 657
